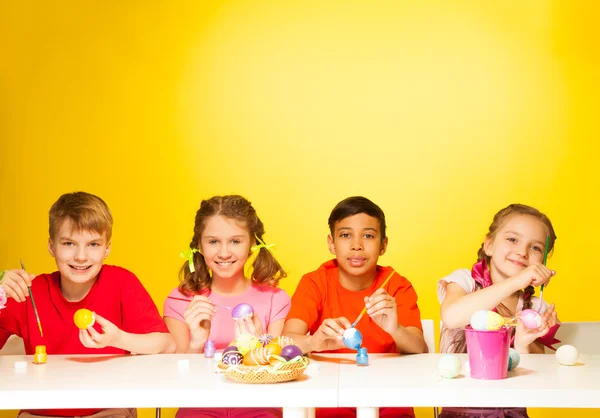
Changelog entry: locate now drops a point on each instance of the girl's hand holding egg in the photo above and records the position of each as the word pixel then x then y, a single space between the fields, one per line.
pixel 248 324
pixel 525 335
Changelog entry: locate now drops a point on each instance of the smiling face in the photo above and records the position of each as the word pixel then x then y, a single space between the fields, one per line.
pixel 517 244
pixel 225 244
pixel 356 243
pixel 79 257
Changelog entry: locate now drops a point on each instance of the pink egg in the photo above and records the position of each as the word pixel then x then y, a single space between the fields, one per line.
pixel 241 310
pixel 531 319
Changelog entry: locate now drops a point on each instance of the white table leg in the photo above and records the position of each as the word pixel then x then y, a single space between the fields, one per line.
pixel 298 412
pixel 367 412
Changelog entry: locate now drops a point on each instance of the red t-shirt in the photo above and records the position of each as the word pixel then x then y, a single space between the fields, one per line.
pixel 116 295
pixel 320 295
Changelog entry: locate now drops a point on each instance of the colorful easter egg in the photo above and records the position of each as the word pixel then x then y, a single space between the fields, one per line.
pixel 283 341
pixel 265 339
pixel 230 348
pixel 290 352
pixel 246 342
pixel 84 318
pixel 274 348
pixel 486 321
pixel 449 366
pixel 257 356
pixel 514 358
pixel 567 355
pixel 232 358
pixel 241 310
pixel 352 338
pixel 531 319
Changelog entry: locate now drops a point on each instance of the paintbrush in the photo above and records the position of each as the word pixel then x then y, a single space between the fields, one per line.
pixel 189 300
pixel 365 308
pixel 544 262
pixel 37 315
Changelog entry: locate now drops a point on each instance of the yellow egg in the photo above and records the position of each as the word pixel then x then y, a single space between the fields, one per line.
pixel 494 321
pixel 84 318
pixel 274 348
pixel 247 342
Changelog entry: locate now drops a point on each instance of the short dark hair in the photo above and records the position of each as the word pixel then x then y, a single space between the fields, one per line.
pixel 353 206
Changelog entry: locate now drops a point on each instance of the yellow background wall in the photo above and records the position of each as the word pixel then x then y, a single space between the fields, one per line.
pixel 440 113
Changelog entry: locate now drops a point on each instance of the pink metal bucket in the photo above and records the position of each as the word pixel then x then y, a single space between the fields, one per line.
pixel 488 353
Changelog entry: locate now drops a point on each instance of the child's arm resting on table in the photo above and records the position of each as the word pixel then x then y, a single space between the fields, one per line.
pixel 112 336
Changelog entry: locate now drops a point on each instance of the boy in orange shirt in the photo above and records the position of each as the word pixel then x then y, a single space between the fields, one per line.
pixel 327 299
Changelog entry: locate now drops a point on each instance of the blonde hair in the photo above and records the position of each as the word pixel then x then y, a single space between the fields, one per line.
pixel 86 212
pixel 265 268
pixel 453 340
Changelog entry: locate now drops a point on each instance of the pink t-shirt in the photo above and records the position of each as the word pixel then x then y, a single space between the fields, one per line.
pixel 269 303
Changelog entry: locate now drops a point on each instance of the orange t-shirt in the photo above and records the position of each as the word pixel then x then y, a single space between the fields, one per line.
pixel 320 295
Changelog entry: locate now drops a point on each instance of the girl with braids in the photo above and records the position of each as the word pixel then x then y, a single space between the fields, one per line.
pixel 226 232
pixel 503 279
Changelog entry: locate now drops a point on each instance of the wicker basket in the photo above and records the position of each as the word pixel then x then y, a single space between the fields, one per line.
pixel 265 374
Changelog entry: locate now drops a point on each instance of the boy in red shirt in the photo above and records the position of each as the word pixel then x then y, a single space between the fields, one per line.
pixel 326 300
pixel 126 318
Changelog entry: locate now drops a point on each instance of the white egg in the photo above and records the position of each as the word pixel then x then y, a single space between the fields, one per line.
pixel 449 366
pixel 567 355
pixel 479 320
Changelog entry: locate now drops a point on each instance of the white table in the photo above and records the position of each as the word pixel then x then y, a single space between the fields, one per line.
pixel 412 380
pixel 332 380
pixel 155 381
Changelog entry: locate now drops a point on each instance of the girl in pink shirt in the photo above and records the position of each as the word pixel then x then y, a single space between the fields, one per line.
pixel 227 231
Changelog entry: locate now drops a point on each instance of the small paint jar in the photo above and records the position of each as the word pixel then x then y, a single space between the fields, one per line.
pixel 209 349
pixel 40 355
pixel 362 359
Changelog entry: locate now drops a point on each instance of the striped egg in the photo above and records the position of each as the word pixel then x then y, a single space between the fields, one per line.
pixel 257 356
pixel 265 339
pixel 283 341
pixel 247 342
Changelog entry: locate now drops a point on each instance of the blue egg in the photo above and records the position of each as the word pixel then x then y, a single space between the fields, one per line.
pixel 352 338
pixel 514 358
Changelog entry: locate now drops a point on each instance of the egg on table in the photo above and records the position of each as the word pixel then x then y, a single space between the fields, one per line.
pixel 567 355
pixel 449 366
